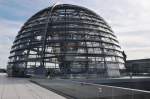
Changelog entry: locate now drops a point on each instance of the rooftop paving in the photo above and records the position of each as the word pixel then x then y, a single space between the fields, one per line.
pixel 22 88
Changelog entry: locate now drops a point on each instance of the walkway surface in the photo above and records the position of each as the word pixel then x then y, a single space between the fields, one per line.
pixel 21 88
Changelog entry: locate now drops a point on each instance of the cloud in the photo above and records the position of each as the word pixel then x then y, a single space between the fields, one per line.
pixel 138 53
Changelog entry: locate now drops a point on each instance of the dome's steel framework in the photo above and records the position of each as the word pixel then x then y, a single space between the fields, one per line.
pixel 68 39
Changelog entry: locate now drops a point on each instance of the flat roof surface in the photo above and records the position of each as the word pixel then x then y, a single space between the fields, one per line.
pixel 84 90
pixel 21 88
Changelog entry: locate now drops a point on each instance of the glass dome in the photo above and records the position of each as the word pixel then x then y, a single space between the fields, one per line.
pixel 66 39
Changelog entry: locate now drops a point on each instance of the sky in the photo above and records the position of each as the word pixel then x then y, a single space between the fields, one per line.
pixel 129 19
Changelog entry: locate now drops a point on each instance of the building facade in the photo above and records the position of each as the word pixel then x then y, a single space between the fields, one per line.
pixel 138 66
pixel 66 39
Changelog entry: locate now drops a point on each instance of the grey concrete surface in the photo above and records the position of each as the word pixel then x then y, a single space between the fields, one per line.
pixel 21 88
pixel 82 90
